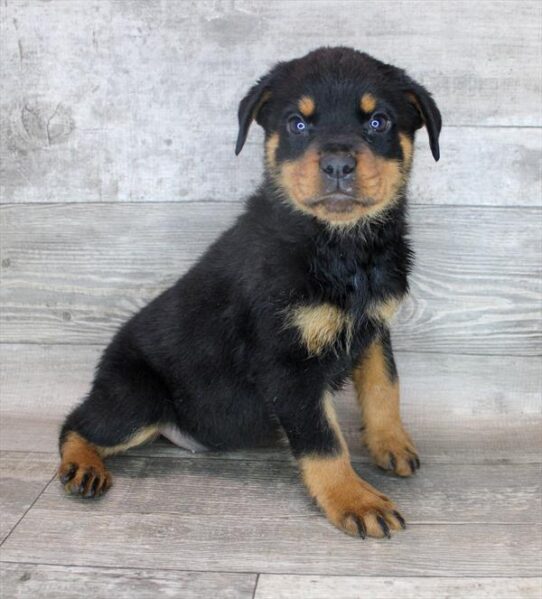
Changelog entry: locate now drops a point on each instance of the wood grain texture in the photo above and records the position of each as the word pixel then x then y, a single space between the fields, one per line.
pixel 460 409
pixel 27 581
pixel 444 494
pixel 259 542
pixel 109 100
pixel 23 477
pixel 72 273
pixel 272 586
pixel 497 166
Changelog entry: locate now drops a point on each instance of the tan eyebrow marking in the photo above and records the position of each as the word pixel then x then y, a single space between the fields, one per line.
pixel 368 102
pixel 306 106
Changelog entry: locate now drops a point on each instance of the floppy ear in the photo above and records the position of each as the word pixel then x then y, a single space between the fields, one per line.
pixel 428 111
pixel 250 106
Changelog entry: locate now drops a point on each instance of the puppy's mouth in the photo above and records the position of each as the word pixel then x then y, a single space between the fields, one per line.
pixel 340 202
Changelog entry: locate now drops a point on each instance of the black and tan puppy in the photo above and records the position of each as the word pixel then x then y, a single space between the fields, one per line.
pixel 288 303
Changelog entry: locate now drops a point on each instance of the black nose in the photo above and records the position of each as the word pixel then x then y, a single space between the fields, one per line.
pixel 337 165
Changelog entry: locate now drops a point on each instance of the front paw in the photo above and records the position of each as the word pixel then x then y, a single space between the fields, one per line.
pixel 393 450
pixel 358 509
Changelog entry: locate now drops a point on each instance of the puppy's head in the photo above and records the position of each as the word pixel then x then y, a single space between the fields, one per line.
pixel 339 129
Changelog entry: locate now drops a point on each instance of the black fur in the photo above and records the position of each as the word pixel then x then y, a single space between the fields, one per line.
pixel 214 354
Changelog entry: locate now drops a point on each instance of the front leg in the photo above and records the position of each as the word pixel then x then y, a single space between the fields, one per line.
pixel 377 388
pixel 316 440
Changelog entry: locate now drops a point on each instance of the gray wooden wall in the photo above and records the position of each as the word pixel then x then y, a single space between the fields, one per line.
pixel 118 128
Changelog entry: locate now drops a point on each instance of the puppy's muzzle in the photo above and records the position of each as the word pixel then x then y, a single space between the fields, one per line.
pixel 338 173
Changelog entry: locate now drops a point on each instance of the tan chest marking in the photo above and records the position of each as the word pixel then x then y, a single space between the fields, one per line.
pixel 320 326
pixel 384 311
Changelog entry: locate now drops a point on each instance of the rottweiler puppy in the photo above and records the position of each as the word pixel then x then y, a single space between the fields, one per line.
pixel 286 305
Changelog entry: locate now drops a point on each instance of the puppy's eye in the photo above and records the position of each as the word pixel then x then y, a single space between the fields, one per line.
pixel 297 126
pixel 379 123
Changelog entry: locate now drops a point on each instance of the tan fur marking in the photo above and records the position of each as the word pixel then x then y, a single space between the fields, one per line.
pixel 379 179
pixel 340 219
pixel 414 101
pixel 344 496
pixel 81 469
pixel 76 448
pixel 340 492
pixel 320 325
pixel 265 97
pixel 82 462
pixel 333 422
pixel 271 145
pixel 408 150
pixel 306 106
pixel 378 398
pixel 367 103
pixel 301 179
pixel 143 435
pixel 79 451
pixel 384 311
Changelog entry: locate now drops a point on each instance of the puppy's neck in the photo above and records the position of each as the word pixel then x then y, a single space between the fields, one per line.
pixel 280 217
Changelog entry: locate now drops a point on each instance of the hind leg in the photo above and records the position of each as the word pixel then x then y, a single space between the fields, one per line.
pixel 123 410
pixel 82 470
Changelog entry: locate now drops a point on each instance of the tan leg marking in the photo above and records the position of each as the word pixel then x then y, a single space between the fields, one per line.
pixel 143 435
pixel 82 470
pixel 384 434
pixel 349 502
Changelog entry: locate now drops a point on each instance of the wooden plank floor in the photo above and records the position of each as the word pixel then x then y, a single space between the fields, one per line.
pixel 240 525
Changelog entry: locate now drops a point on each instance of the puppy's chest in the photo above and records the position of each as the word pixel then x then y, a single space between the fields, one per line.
pixel 349 298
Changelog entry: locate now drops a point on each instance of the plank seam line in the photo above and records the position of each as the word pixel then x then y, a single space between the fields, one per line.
pixel 136 568
pixel 256 585
pixel 252 572
pixel 399 351
pixel 492 127
pixel 240 202
pixel 28 509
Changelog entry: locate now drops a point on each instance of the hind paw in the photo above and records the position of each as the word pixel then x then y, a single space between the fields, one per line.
pixel 82 471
